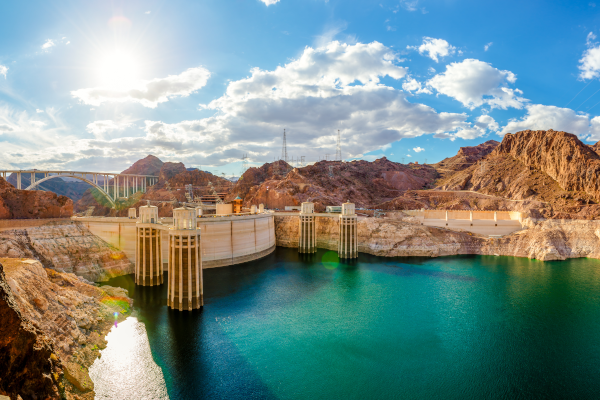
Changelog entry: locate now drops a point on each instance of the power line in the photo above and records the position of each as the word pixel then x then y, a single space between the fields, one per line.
pixel 578 93
pixel 588 99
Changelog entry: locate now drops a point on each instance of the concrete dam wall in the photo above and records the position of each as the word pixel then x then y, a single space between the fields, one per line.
pixel 226 240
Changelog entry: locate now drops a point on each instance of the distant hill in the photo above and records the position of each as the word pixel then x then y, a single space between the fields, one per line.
pixel 73 190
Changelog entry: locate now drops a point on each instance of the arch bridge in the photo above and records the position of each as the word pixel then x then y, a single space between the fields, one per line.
pixel 110 185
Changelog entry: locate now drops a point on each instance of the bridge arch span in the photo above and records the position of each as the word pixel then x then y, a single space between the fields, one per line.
pixel 89 182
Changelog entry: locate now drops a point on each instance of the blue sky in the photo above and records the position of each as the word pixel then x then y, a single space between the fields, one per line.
pixel 97 85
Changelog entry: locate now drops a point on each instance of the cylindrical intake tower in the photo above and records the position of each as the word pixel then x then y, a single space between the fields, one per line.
pixel 148 260
pixel 307 242
pixel 348 244
pixel 185 264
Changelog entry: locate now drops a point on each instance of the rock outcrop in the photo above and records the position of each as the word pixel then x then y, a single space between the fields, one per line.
pixel 30 367
pixel 25 204
pixel 466 157
pixel 66 247
pixel 402 236
pixel 69 315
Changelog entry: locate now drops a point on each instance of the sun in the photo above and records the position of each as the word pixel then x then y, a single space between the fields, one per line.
pixel 118 69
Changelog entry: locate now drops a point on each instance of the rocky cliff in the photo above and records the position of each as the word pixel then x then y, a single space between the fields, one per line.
pixel 401 236
pixel 67 317
pixel 24 204
pixel 66 247
pixel 551 167
pixel 30 367
pixel 466 156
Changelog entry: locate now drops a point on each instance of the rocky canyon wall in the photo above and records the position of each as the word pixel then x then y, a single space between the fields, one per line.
pixel 66 246
pixel 52 328
pixel 400 237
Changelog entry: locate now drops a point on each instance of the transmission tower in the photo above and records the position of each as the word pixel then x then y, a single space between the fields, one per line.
pixel 338 150
pixel 301 161
pixel 244 163
pixel 284 155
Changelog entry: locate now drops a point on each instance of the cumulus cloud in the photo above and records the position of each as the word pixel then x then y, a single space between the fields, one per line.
pixel 3 70
pixel 101 129
pixel 487 46
pixel 418 149
pixel 148 93
pixel 412 85
pixel 475 83
pixel 270 2
pixel 541 117
pixel 486 122
pixel 49 43
pixel 589 65
pixel 434 48
pixel 337 86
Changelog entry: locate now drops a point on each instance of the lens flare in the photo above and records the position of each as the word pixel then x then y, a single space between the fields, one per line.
pixel 330 260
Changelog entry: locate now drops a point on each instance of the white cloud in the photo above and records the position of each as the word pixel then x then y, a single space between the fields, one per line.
pixel 101 129
pixel 333 87
pixel 412 85
pixel 386 147
pixel 434 48
pixel 148 93
pixel 590 61
pixel 486 122
pixel 3 70
pixel 474 83
pixel 408 155
pixel 337 86
pixel 37 110
pixel 418 149
pixel 270 2
pixel 541 117
pixel 147 12
pixel 410 5
pixel 487 46
pixel 49 43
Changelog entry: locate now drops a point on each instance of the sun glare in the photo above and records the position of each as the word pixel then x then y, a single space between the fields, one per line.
pixel 118 70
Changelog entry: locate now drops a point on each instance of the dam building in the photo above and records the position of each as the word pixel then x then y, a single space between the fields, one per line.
pixel 307 242
pixel 148 260
pixel 348 243
pixel 185 286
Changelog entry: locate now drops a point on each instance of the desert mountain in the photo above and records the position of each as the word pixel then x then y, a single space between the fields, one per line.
pixel 331 183
pixel 548 166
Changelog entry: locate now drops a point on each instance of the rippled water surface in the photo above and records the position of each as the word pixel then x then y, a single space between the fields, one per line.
pixel 464 327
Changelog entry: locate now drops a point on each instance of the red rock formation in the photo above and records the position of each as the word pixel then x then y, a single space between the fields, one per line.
pixel 562 156
pixel 332 183
pixel 27 204
pixel 30 367
pixel 467 156
pixel 151 165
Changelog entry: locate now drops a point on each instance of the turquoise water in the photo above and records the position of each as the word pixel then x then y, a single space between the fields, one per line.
pixel 463 327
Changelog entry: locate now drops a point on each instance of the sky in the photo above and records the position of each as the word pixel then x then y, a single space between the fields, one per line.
pixel 98 85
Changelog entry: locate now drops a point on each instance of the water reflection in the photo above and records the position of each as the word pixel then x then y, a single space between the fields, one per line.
pixel 126 369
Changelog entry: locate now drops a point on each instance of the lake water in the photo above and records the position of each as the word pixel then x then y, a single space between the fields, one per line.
pixel 290 327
